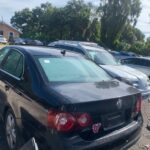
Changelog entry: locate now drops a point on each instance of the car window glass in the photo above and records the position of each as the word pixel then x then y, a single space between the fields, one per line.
pixel 12 65
pixel 128 61
pixel 19 68
pixel 70 69
pixel 78 50
pixel 3 53
pixel 146 63
pixel 138 62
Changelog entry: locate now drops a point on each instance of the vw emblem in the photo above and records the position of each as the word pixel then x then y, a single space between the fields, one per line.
pixel 119 104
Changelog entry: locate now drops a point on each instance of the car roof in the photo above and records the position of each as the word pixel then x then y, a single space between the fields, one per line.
pixel 79 44
pixel 42 51
pixel 93 48
pixel 145 58
pixel 73 43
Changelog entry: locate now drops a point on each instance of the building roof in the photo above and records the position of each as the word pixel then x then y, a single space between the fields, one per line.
pixel 4 23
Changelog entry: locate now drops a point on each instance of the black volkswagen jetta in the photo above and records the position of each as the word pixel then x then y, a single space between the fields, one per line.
pixel 65 101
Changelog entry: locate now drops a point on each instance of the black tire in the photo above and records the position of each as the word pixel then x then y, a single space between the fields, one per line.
pixel 16 142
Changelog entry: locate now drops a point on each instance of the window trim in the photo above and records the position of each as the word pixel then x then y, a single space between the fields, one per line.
pixel 5 59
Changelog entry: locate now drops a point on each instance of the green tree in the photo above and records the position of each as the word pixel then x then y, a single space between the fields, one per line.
pixel 78 18
pixel 138 47
pixel 115 16
pixel 147 47
pixel 75 21
pixel 131 35
pixel 22 20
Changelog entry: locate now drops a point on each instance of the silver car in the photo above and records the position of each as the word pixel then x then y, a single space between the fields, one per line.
pixel 140 63
pixel 3 40
pixel 105 60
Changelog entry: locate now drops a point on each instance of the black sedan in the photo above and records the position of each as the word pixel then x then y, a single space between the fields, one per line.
pixel 65 101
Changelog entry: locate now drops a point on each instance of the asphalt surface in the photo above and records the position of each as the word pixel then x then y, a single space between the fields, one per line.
pixel 142 144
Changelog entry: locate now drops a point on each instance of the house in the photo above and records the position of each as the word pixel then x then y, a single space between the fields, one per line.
pixel 8 31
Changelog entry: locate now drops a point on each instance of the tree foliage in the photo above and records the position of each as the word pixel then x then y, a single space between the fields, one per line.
pixel 115 16
pixel 72 22
pixel 112 23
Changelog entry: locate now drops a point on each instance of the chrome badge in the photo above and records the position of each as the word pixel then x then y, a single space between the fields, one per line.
pixel 119 104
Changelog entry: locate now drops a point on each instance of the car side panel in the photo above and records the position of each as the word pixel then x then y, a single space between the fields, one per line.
pixel 143 69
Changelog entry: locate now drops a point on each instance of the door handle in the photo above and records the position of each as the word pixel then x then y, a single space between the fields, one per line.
pixel 7 88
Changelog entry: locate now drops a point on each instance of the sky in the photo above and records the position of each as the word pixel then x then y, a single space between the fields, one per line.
pixel 8 7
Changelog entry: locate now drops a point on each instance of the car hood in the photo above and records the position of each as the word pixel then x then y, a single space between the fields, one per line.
pixel 124 72
pixel 88 92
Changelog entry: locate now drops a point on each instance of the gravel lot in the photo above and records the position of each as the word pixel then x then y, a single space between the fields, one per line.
pixel 142 144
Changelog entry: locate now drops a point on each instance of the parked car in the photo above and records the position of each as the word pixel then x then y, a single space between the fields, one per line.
pixel 3 40
pixel 33 42
pixel 37 43
pixel 19 41
pixel 105 60
pixel 123 54
pixel 27 41
pixel 65 101
pixel 139 63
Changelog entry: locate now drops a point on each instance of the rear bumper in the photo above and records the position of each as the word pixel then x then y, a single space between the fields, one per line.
pixel 117 140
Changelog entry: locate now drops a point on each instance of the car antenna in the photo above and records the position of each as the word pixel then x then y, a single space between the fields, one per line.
pixel 63 52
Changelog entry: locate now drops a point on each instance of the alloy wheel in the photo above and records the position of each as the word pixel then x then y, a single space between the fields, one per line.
pixel 11 131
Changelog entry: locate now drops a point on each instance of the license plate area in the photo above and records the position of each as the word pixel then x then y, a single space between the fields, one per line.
pixel 113 120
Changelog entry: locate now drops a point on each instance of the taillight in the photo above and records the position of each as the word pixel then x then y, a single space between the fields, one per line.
pixel 84 120
pixel 64 122
pixel 138 104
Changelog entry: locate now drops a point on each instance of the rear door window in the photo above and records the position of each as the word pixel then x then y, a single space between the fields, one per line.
pixel 127 61
pixel 139 62
pixel 14 63
pixel 146 63
pixel 3 53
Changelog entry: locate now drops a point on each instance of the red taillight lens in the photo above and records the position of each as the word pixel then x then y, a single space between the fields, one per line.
pixel 138 105
pixel 84 120
pixel 64 122
pixel 60 121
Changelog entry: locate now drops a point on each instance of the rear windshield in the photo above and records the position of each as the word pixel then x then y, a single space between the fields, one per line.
pixel 70 69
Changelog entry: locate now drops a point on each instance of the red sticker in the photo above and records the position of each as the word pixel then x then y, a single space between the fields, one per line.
pixel 96 127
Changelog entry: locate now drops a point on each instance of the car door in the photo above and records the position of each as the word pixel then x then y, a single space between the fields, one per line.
pixel 3 94
pixel 11 72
